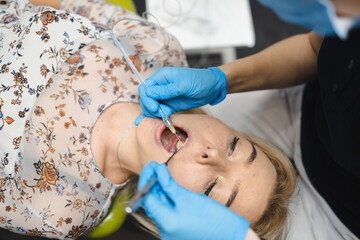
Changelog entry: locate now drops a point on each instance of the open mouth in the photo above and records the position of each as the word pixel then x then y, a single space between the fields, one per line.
pixel 170 142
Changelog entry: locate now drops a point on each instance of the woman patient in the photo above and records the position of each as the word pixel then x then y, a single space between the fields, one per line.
pixel 68 142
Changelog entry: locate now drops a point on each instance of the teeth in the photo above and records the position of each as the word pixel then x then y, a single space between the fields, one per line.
pixel 180 144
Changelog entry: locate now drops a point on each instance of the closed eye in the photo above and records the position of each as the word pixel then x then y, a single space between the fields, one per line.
pixel 233 145
pixel 210 187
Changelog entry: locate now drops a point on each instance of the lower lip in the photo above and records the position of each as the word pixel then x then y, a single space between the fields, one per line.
pixel 161 127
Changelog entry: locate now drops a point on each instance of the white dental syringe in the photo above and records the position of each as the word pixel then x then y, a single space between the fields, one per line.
pixel 167 121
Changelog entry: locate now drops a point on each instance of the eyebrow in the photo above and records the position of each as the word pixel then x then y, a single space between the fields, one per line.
pixel 235 189
pixel 253 154
pixel 233 194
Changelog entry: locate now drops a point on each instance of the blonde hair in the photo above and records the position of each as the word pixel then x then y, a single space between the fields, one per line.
pixel 271 224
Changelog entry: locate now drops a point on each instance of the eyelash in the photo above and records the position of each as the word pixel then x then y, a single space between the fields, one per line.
pixel 233 144
pixel 210 187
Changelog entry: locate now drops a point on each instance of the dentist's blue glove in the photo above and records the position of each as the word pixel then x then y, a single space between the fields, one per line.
pixel 179 89
pixel 184 215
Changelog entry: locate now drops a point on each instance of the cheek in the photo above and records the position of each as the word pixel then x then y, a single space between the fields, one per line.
pixel 254 195
pixel 250 202
pixel 148 153
pixel 186 176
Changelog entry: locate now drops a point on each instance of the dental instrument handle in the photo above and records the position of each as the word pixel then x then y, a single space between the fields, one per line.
pixel 167 121
pixel 133 205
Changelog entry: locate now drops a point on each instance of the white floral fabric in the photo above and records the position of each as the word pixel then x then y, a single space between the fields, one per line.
pixel 59 71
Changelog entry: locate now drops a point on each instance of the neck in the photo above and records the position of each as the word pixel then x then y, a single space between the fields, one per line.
pixel 115 149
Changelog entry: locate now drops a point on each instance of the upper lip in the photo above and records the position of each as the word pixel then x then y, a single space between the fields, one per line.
pixel 159 130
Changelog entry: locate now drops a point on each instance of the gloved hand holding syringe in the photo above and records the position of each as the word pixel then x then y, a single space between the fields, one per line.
pixel 167 121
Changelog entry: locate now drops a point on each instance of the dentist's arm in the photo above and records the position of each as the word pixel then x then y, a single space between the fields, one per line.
pixel 52 3
pixel 184 215
pixel 287 63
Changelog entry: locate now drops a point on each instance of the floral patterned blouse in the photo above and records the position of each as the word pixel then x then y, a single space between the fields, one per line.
pixel 59 71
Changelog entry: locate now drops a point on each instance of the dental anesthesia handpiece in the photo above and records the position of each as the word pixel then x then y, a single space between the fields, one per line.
pixel 133 204
pixel 167 121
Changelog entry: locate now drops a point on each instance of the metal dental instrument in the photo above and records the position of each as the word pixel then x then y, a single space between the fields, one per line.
pixel 167 121
pixel 134 202
pixel 133 205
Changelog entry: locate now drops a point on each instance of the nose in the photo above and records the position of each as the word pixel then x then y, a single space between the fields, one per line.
pixel 211 155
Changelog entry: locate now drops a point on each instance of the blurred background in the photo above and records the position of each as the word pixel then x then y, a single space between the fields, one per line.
pixel 252 28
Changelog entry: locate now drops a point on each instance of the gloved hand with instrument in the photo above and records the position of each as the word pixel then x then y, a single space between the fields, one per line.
pixel 179 89
pixel 182 214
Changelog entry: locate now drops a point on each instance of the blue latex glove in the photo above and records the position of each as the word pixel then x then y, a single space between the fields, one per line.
pixel 179 89
pixel 183 215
